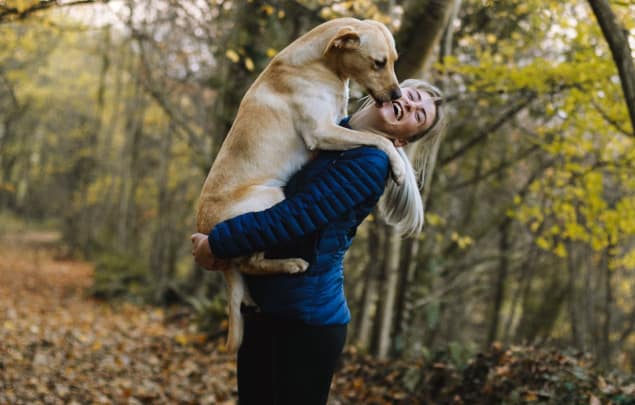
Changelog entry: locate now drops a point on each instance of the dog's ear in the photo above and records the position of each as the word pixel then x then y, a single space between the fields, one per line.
pixel 346 38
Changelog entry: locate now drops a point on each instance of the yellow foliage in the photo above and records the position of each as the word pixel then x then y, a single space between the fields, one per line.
pixel 461 241
pixel 98 189
pixel 627 261
pixel 543 243
pixel 464 242
pixel 232 55
pixel 434 219
pixel 268 9
pixel 7 187
pixel 560 250
pixel 249 64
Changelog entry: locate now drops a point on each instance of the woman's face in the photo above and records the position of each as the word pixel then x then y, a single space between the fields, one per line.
pixel 400 119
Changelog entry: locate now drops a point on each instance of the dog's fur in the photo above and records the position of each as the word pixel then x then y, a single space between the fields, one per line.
pixel 291 109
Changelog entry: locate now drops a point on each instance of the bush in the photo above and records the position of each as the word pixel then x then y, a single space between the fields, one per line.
pixel 119 276
pixel 511 376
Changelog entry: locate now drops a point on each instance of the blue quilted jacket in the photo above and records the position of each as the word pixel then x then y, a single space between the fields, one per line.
pixel 325 202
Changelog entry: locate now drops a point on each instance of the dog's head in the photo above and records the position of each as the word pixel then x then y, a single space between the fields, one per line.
pixel 366 53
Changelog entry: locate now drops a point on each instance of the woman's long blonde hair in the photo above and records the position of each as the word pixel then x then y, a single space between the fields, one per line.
pixel 402 205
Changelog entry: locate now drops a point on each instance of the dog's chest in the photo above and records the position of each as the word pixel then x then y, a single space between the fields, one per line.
pixel 296 162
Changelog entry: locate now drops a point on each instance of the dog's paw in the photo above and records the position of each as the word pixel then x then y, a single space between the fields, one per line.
pixel 294 266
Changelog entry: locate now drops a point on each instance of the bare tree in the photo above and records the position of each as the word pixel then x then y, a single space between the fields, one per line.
pixel 424 22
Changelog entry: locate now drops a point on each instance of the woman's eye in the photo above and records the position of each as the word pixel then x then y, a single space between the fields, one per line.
pixel 411 97
pixel 418 117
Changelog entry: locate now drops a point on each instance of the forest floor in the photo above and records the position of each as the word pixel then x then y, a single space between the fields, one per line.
pixel 60 346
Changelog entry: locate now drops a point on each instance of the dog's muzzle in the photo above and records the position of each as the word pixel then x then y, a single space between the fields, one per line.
pixel 395 94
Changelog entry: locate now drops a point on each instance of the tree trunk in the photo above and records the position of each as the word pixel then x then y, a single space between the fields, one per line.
pixel 617 38
pixel 87 214
pixel 503 262
pixel 10 115
pixel 605 357
pixel 421 27
pixel 591 282
pixel 407 268
pixel 134 130
pixel 541 310
pixel 501 279
pixel 445 48
pixel 573 296
pixel 369 296
pixel 389 292
pixel 381 282
pixel 523 285
pixel 234 78
pixel 423 23
pixel 160 249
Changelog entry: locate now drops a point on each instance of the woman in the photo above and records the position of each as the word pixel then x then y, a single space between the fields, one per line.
pixel 295 335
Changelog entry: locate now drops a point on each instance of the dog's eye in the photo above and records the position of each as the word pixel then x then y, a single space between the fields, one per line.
pixel 380 64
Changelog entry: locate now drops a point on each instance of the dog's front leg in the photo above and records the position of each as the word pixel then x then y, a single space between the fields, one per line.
pixel 336 137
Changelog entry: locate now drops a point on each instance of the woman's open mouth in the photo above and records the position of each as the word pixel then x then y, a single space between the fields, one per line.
pixel 398 110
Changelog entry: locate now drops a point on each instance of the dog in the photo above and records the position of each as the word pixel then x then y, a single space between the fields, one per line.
pixel 292 109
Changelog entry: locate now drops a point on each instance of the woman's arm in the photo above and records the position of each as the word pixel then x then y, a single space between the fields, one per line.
pixel 340 188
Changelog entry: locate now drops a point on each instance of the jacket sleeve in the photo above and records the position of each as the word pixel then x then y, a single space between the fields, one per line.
pixel 345 184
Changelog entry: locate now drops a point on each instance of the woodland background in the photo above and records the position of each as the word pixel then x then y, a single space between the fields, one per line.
pixel 111 113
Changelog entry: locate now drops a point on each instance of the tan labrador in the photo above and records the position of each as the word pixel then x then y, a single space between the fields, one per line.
pixel 291 109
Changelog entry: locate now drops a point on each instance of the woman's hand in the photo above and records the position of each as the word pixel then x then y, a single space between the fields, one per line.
pixel 203 254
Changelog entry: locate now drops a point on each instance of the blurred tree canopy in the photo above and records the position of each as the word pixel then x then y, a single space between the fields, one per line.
pixel 111 114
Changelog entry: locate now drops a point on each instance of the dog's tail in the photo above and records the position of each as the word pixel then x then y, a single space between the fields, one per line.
pixel 235 294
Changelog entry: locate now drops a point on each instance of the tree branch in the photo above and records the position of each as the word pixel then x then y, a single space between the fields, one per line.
pixel 14 13
pixel 522 155
pixel 147 84
pixel 10 90
pixel 484 133
pixel 608 119
pixel 617 38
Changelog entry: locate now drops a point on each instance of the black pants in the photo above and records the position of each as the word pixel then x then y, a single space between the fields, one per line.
pixel 286 362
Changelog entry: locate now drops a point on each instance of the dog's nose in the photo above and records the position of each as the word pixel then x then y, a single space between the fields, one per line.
pixel 395 94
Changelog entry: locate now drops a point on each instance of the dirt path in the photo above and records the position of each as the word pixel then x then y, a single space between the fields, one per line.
pixel 58 346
